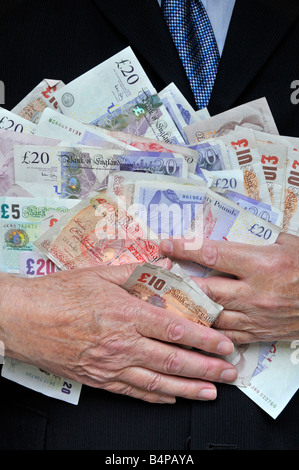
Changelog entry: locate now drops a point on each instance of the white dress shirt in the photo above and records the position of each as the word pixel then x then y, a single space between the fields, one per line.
pixel 219 12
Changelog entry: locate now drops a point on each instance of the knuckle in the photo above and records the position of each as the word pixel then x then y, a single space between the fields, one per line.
pixel 100 375
pixel 278 261
pixel 173 364
pixel 175 331
pixel 205 287
pixel 205 335
pixel 272 265
pixel 112 346
pixel 267 303
pixel 209 254
pixel 154 383
pixel 127 390
pixel 128 310
pixel 207 369
pixel 287 258
pixel 106 376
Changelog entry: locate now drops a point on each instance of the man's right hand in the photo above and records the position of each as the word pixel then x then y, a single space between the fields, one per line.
pixel 83 326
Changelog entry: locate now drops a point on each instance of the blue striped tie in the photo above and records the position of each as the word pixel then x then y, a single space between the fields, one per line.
pixel 194 38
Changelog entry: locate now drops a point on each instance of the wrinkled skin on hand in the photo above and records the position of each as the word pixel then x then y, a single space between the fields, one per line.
pixel 261 298
pixel 83 326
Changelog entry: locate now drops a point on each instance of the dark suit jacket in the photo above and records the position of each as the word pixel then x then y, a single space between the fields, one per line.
pixel 61 40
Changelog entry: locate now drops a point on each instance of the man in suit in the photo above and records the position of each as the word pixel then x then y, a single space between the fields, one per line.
pixel 43 40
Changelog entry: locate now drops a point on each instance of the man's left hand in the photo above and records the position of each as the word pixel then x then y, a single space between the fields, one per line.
pixel 261 296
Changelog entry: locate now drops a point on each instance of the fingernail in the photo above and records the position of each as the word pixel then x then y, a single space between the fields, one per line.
pixel 229 375
pixel 207 394
pixel 166 263
pixel 225 348
pixel 166 246
pixel 167 400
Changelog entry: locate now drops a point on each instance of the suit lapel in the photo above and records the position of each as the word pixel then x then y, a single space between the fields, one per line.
pixel 141 22
pixel 256 29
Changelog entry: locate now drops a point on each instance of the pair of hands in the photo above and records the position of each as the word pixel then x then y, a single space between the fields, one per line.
pixel 80 324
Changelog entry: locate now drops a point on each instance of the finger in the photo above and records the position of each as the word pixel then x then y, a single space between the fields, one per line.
pixel 251 327
pixel 232 320
pixel 154 387
pixel 242 337
pixel 238 327
pixel 166 326
pixel 168 386
pixel 234 258
pixel 141 394
pixel 131 390
pixel 230 293
pixel 119 274
pixel 287 239
pixel 171 360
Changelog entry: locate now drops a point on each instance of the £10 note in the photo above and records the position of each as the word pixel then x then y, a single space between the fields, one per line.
pixel 291 197
pixel 42 96
pixel 98 230
pixel 254 115
pixel 274 159
pixel 244 155
pixel 167 290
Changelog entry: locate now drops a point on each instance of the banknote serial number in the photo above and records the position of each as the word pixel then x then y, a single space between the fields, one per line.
pixel 53 380
pixel 263 395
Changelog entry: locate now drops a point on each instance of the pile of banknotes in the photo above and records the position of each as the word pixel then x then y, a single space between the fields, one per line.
pixel 99 170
